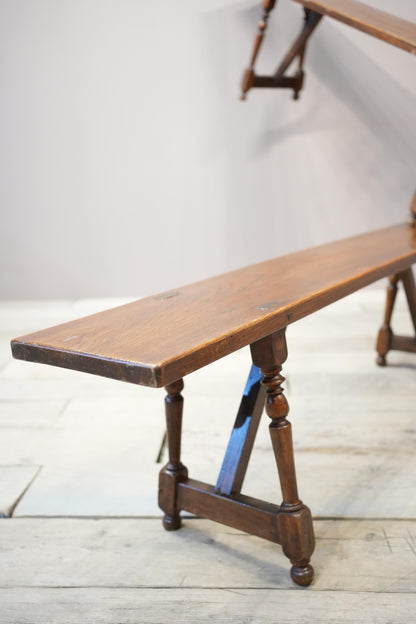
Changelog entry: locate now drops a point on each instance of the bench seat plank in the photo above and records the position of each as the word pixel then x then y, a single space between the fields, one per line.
pixel 399 32
pixel 157 340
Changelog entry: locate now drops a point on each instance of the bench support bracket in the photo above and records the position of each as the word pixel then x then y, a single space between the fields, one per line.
pixel 279 79
pixel 289 524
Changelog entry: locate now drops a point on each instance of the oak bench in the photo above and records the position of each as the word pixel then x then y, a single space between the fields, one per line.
pixel 158 340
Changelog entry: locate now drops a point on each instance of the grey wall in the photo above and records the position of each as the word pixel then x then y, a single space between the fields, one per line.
pixel 129 166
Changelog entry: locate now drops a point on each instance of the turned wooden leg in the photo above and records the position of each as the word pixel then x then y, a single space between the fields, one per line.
pixel 295 520
pixel 248 78
pixel 174 471
pixel 385 333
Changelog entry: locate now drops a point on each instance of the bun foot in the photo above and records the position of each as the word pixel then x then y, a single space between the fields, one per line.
pixel 381 360
pixel 172 523
pixel 302 575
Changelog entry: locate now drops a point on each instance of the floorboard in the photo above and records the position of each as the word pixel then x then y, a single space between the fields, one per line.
pixel 78 470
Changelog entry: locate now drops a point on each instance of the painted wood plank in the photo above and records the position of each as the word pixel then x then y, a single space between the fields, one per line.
pixel 200 606
pixel 88 488
pixel 21 414
pixel 361 556
pixel 100 458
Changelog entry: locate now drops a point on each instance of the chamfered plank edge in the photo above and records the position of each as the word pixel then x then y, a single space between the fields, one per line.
pixel 88 363
pixel 389 28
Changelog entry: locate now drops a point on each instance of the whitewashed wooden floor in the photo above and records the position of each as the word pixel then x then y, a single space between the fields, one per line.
pixel 78 476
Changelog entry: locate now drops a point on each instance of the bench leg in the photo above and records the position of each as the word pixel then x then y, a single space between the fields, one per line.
pixel 387 340
pixel 174 472
pixel 385 333
pixel 294 519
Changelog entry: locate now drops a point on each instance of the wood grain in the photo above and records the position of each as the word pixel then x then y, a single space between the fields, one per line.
pixel 377 556
pixel 399 32
pixel 157 340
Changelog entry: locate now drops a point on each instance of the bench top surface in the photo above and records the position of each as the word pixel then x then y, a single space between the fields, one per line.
pixel 156 340
pixel 379 24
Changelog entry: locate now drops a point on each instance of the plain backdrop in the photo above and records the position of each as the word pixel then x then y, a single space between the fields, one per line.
pixel 129 165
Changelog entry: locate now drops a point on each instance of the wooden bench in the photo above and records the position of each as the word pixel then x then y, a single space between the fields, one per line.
pixel 158 340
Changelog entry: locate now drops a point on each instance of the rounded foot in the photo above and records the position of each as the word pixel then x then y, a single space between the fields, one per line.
pixel 302 575
pixel 381 360
pixel 172 523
